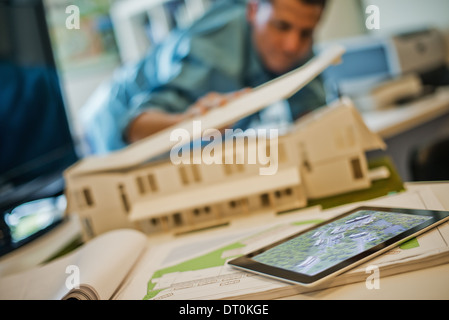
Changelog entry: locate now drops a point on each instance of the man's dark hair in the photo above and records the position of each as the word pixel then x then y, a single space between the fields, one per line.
pixel 321 3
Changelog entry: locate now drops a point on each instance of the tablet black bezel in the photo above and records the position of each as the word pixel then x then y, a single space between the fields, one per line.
pixel 246 262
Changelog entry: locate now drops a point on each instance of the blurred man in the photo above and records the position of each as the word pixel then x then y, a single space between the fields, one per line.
pixel 238 44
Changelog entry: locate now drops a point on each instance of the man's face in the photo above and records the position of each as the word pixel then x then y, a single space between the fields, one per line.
pixel 283 31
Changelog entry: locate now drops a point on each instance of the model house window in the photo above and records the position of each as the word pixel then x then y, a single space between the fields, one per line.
pixel 154 221
pixel 265 200
pixel 124 198
pixel 282 193
pixel 177 219
pixel 88 197
pixel 140 185
pixel 201 211
pixel 189 174
pixel 356 169
pixel 84 198
pixel 151 184
pixel 241 203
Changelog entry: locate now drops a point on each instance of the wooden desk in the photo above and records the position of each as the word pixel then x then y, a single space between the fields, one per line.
pixel 409 126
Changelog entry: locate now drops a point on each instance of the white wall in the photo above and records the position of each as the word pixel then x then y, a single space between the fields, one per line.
pixel 342 19
pixel 403 15
pixel 346 18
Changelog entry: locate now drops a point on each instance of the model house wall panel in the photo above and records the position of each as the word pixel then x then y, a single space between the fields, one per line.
pixel 333 137
pixel 323 155
pixel 108 207
pixel 224 192
pixel 337 176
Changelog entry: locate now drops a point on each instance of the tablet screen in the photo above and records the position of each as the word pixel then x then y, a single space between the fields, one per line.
pixel 322 248
pixel 339 244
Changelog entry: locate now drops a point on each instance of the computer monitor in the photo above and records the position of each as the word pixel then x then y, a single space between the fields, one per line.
pixel 36 141
pixel 366 62
pixel 372 60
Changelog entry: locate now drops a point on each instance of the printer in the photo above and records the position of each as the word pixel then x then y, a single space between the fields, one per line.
pixel 380 72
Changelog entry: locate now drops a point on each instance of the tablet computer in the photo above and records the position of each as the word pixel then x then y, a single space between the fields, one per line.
pixel 319 253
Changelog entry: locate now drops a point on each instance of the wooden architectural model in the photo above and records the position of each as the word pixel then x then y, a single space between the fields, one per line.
pixel 323 154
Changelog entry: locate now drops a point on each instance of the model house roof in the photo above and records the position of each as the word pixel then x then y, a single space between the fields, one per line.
pixel 260 97
pixel 332 131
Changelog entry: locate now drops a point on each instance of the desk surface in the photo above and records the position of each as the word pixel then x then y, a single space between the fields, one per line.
pixel 428 283
pixel 392 121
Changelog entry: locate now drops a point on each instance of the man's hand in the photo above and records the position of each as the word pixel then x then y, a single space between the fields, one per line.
pixel 213 100
pixel 151 122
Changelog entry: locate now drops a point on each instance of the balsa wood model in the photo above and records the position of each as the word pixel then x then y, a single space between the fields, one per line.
pixel 323 154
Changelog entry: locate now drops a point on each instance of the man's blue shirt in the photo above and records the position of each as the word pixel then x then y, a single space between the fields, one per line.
pixel 215 54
